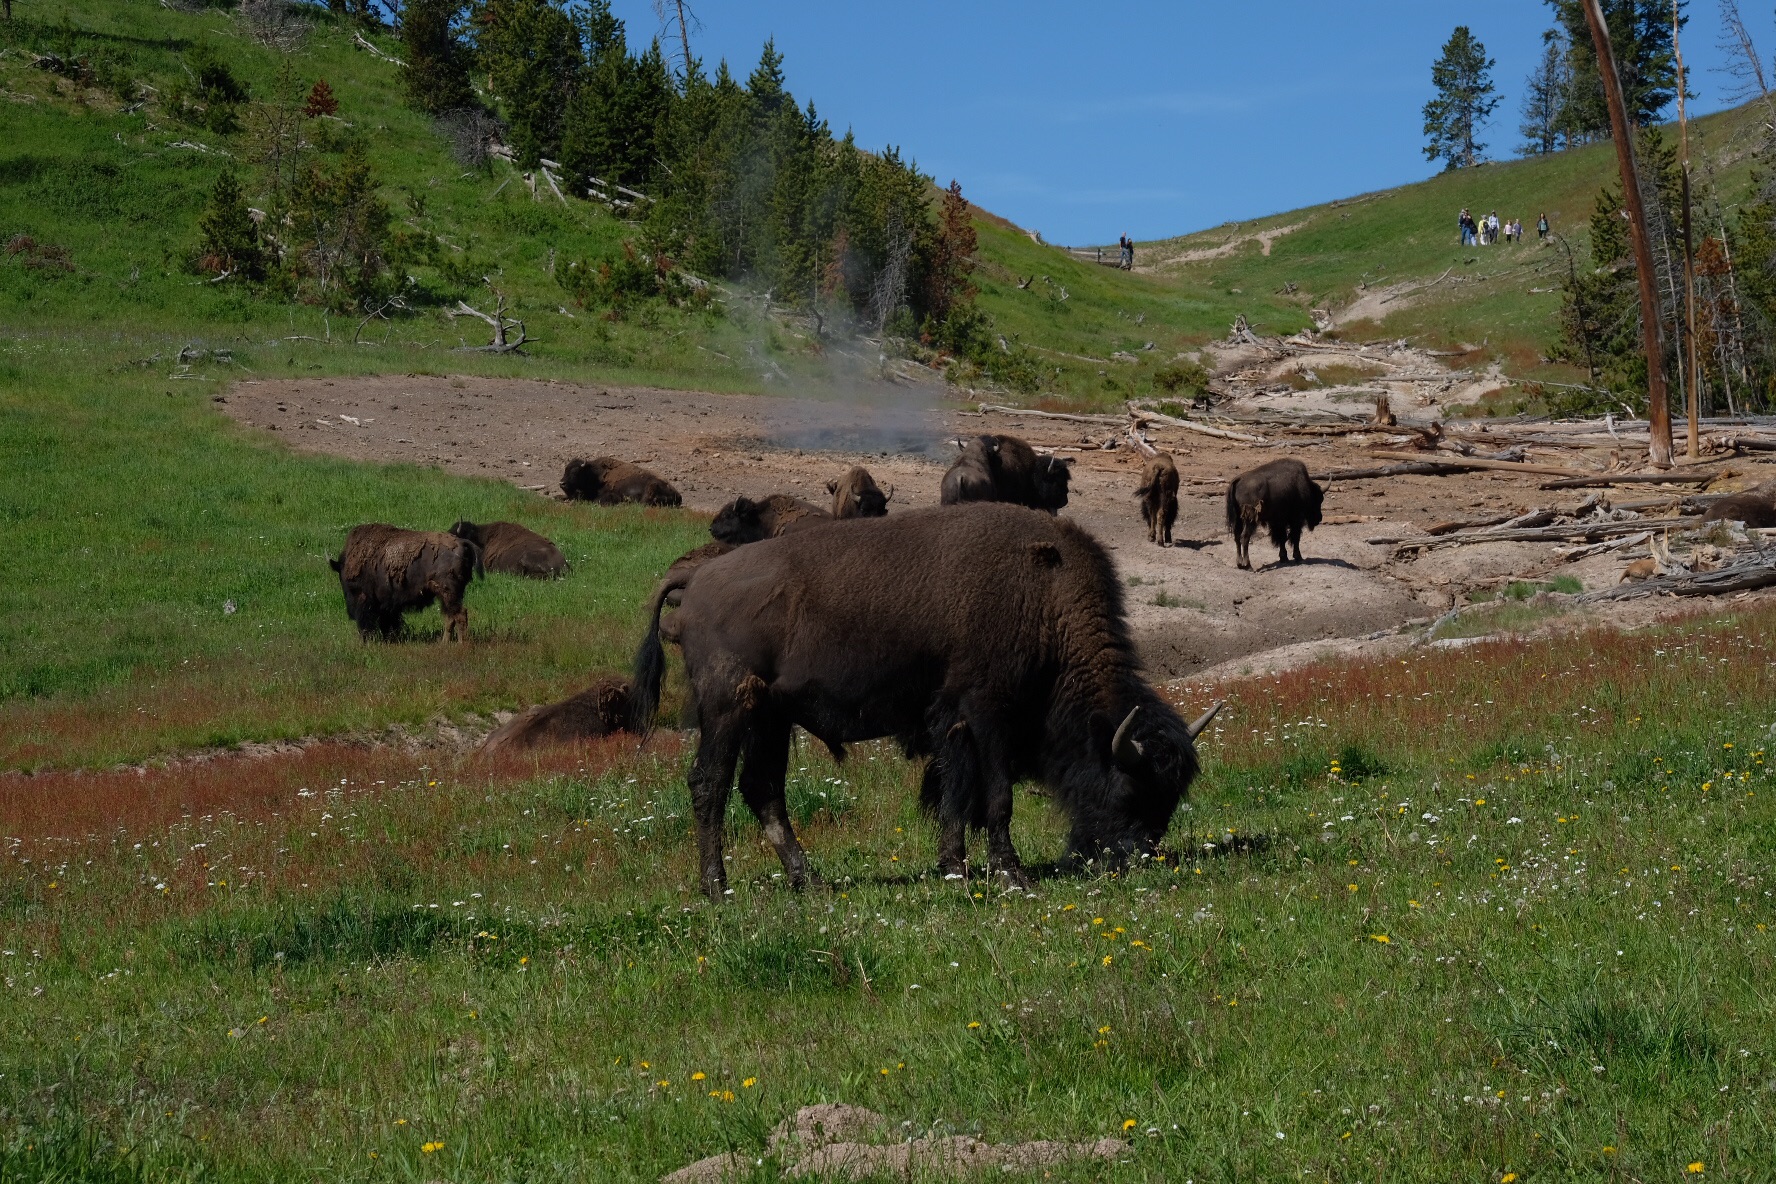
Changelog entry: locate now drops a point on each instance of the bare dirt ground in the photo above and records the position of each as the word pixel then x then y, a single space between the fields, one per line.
pixel 1191 609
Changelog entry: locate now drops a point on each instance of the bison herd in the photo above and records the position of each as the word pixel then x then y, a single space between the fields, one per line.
pixel 985 636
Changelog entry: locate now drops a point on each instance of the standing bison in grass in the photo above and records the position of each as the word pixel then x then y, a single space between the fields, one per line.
pixel 744 520
pixel 989 638
pixel 1278 495
pixel 1159 498
pixel 856 495
pixel 513 549
pixel 1005 469
pixel 611 482
pixel 387 572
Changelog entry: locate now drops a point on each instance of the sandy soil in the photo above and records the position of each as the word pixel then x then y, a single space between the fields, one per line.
pixel 1190 607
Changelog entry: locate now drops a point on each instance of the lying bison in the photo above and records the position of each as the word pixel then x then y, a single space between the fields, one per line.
pixel 611 482
pixel 599 710
pixel 990 638
pixel 1278 495
pixel 513 549
pixel 1756 508
pixel 856 495
pixel 1005 469
pixel 1159 498
pixel 744 520
pixel 386 571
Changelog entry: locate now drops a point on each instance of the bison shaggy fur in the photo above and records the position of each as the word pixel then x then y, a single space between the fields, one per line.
pixel 611 482
pixel 990 638
pixel 856 495
pixel 1159 498
pixel 513 549
pixel 1279 496
pixel 1756 509
pixel 387 572
pixel 599 710
pixel 1005 469
pixel 744 520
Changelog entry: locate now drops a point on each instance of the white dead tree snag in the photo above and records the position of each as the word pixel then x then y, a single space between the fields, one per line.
pixel 498 320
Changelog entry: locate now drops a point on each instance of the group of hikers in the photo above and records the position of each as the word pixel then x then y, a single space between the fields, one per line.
pixel 1487 230
pixel 1126 260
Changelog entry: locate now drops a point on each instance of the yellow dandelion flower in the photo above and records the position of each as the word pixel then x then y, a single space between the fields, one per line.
pixel 1128 1124
pixel 1696 1168
pixel 662 1083
pixel 428 1148
pixel 1104 1031
pixel 1067 908
pixel 1097 920
pixel 749 1083
pixel 973 1024
pixel 1380 937
pixel 1108 959
pixel 645 1065
pixel 1352 887
pixel 1507 1178
pixel 698 1076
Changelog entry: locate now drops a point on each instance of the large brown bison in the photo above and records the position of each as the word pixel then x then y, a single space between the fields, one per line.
pixel 513 549
pixel 1278 495
pixel 611 482
pixel 386 572
pixel 990 638
pixel 599 710
pixel 1159 498
pixel 1755 508
pixel 1005 469
pixel 856 495
pixel 744 520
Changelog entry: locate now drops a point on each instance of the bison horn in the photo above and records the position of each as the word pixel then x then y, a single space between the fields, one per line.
pixel 1202 721
pixel 890 496
pixel 1125 750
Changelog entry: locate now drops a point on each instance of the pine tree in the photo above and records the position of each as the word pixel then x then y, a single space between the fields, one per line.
pixel 320 101
pixel 533 53
pixel 1465 100
pixel 230 239
pixel 437 73
pixel 953 259
pixel 1545 96
pixel 1640 36
pixel 766 86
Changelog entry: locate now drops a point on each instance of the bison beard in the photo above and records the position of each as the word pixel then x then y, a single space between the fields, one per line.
pixel 386 572
pixel 1279 495
pixel 611 482
pixel 1159 498
pixel 1005 469
pixel 1001 660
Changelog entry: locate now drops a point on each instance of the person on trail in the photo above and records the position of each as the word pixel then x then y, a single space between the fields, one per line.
pixel 1542 228
pixel 1122 250
pixel 1128 256
pixel 1466 222
pixel 1492 228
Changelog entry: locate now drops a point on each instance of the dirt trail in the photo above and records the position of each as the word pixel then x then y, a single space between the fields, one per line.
pixel 1190 608
pixel 1158 258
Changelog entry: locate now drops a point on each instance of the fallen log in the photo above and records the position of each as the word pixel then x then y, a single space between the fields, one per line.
pixel 1578 553
pixel 1443 528
pixel 999 409
pixel 1170 421
pixel 1632 479
pixel 1570 533
pixel 1423 468
pixel 1502 466
pixel 1756 572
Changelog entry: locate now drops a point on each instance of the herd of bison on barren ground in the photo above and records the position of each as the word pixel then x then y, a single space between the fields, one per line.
pixel 985 634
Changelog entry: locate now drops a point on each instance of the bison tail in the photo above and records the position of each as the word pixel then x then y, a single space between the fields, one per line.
pixel 650 662
pixel 1233 506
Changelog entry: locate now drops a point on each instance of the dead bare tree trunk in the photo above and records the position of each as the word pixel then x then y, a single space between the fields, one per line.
pixel 1659 409
pixel 500 322
pixel 1692 388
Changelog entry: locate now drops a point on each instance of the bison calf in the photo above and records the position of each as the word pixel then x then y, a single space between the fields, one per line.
pixel 744 520
pixel 611 482
pixel 1159 498
pixel 856 495
pixel 513 549
pixel 1279 495
pixel 599 710
pixel 386 572
pixel 1005 469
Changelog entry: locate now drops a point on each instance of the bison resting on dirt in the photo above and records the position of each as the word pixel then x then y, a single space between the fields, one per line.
pixel 1279 495
pixel 513 549
pixel 744 521
pixel 988 637
pixel 599 710
pixel 386 571
pixel 856 495
pixel 1005 469
pixel 611 482
pixel 1755 508
pixel 1159 498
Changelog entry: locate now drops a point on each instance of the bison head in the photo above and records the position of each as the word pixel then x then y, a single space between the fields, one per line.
pixel 739 522
pixel 1051 478
pixel 582 480
pixel 468 532
pixel 1152 763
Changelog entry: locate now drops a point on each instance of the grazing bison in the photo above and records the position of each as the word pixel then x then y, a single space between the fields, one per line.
pixel 1279 495
pixel 513 549
pixel 386 571
pixel 611 482
pixel 744 521
pixel 1005 469
pixel 988 637
pixel 856 495
pixel 599 710
pixel 1159 498
pixel 1756 508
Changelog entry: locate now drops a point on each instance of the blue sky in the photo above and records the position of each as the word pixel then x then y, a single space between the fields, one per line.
pixel 1087 120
